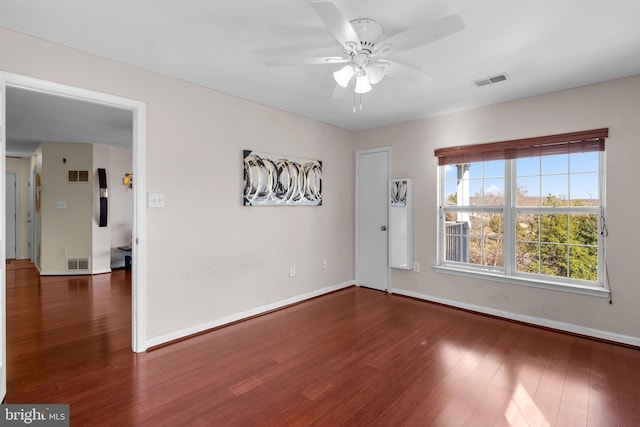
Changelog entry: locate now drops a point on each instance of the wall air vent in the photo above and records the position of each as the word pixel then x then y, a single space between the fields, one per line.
pixel 77 264
pixel 78 176
pixel 490 80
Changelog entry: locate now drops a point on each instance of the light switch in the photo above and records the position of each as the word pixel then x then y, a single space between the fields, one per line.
pixel 61 205
pixel 155 200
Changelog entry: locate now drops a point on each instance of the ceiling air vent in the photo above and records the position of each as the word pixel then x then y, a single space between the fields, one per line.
pixel 490 80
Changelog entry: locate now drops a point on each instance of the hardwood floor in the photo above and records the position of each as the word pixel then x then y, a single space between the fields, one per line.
pixel 356 357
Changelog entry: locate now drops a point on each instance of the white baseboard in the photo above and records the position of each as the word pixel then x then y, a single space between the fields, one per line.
pixel 73 273
pixel 243 315
pixel 539 321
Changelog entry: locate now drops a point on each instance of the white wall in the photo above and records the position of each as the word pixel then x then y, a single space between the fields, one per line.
pixel 208 256
pixel 615 105
pixel 21 167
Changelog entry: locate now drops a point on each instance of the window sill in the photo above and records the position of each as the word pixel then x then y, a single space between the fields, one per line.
pixel 595 291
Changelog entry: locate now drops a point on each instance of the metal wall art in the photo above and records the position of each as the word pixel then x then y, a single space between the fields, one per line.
pixel 272 180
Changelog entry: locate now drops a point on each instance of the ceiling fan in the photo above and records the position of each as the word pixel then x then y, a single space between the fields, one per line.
pixel 368 55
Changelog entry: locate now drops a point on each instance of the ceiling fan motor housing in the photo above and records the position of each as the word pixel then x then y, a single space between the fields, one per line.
pixel 369 32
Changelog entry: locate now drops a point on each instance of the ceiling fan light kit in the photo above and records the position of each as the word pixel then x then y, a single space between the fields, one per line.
pixel 362 84
pixel 343 75
pixel 362 52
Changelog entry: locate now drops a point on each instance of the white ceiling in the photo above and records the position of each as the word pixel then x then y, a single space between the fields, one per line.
pixel 34 117
pixel 543 46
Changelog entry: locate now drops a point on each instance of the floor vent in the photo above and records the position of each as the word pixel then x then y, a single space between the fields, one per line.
pixel 78 264
pixel 490 80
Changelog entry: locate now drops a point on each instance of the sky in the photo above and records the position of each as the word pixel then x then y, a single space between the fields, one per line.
pixel 566 175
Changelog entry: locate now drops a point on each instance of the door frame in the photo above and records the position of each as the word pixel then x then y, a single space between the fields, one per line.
pixel 138 110
pixel 16 231
pixel 389 151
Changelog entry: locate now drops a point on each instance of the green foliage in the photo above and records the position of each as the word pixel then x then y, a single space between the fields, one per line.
pixel 558 245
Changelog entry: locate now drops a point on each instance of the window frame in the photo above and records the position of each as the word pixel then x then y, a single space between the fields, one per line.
pixel 508 273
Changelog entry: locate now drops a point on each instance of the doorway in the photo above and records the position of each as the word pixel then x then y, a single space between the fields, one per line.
pixel 372 212
pixel 138 111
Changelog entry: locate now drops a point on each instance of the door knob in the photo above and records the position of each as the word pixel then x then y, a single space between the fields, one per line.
pixel 383 228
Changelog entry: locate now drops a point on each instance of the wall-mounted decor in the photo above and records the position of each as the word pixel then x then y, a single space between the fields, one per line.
pixel 401 223
pixel 398 192
pixel 273 180
pixel 102 181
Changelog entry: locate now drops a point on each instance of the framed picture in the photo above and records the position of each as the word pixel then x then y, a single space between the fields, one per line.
pixel 275 180
pixel 398 192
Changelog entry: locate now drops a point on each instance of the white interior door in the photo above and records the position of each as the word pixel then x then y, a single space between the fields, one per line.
pixel 11 209
pixel 372 212
pixel 3 272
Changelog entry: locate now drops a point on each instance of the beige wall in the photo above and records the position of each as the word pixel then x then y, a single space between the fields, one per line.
pixel 120 197
pixel 21 167
pixel 208 256
pixel 615 105
pixel 65 207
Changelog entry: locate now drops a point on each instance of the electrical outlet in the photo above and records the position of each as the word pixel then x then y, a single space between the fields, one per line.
pixel 416 267
pixel 292 271
pixel 324 264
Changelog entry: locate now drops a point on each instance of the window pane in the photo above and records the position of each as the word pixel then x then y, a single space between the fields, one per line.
pixel 584 189
pixel 494 192
pixel 450 193
pixel 475 251
pixel 529 166
pixel 528 257
pixel 584 229
pixel 583 263
pixel 475 192
pixel 553 228
pixel 553 260
pixel 475 170
pixel 584 162
pixel 486 233
pixel 555 190
pixel 528 191
pixel 456 241
pixel 555 164
pixel 493 240
pixel 494 169
pixel 527 227
pixel 450 172
pixel 450 217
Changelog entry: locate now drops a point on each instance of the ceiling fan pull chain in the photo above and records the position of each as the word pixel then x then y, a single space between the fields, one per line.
pixel 354 103
pixel 360 102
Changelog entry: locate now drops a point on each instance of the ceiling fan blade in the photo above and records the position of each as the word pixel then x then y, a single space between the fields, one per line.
pixel 306 61
pixel 340 92
pixel 407 74
pixel 336 23
pixel 425 34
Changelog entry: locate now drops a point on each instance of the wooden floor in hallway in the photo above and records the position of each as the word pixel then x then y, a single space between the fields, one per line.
pixel 356 357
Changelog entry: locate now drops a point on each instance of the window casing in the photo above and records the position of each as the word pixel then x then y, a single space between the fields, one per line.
pixel 533 218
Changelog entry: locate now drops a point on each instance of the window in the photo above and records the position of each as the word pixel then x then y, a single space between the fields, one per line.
pixel 527 210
